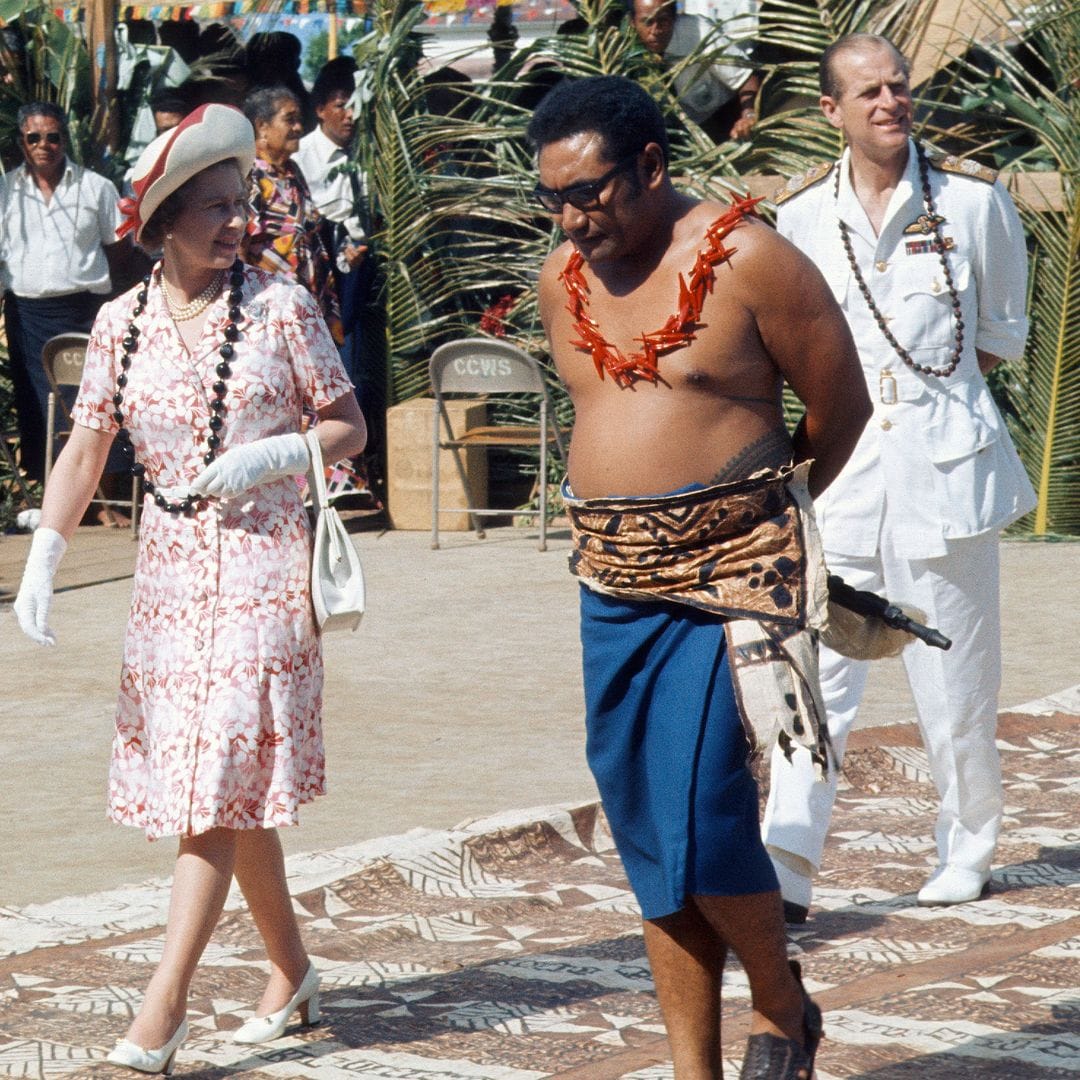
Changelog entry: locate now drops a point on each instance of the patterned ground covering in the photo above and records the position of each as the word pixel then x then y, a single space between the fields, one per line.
pixel 509 949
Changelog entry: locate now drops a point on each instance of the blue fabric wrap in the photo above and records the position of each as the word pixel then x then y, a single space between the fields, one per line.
pixel 666 746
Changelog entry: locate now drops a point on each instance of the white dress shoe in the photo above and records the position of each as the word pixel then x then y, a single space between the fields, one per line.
pixel 148 1061
pixel 953 885
pixel 260 1029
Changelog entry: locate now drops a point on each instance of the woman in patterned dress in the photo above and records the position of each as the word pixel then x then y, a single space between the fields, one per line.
pixel 203 371
pixel 285 235
pixel 284 232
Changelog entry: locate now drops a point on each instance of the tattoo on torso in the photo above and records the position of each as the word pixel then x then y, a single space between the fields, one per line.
pixel 771 451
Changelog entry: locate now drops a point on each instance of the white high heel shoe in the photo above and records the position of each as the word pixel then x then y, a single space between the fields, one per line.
pixel 148 1061
pixel 260 1029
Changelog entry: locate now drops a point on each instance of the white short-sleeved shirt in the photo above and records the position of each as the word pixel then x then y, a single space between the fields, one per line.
pixel 57 248
pixel 739 18
pixel 317 157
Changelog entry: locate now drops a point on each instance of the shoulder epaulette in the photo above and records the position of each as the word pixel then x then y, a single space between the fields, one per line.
pixel 802 181
pixel 962 166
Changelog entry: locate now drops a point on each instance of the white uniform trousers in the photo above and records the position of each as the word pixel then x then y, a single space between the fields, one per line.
pixel 955 692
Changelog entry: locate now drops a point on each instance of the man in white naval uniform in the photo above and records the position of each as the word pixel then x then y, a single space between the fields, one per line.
pixel 926 256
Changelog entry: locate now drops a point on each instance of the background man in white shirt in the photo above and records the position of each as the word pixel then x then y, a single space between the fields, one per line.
pixel 721 97
pixel 326 152
pixel 337 190
pixel 58 257
pixel 925 254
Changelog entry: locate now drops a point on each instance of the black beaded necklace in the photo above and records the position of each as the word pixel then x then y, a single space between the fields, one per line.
pixel 217 406
pixel 932 223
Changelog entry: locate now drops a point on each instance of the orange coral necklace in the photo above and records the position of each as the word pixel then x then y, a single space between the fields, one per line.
pixel 677 331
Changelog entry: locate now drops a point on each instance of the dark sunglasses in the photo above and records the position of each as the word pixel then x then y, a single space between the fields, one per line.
pixel 583 196
pixel 32 138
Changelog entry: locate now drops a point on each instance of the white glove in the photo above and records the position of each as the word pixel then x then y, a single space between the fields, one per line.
pixel 36 591
pixel 242 467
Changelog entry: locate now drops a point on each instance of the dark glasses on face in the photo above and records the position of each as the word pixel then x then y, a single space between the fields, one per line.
pixel 583 196
pixel 34 137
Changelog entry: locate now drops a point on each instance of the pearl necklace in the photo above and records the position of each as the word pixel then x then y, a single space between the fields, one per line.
pixel 217 406
pixel 932 223
pixel 677 331
pixel 193 308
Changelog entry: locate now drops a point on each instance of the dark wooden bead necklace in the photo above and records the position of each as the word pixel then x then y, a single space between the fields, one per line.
pixel 931 224
pixel 130 345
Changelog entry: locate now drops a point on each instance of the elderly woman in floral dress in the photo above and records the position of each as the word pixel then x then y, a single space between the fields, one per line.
pixel 202 373
pixel 284 233
pixel 285 236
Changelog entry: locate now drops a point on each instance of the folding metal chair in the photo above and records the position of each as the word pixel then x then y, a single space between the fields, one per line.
pixel 63 357
pixel 489 368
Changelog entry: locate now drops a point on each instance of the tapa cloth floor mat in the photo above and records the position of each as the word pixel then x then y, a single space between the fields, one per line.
pixel 510 948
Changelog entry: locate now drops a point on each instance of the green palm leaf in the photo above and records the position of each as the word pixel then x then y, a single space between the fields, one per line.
pixel 1015 102
pixel 1046 394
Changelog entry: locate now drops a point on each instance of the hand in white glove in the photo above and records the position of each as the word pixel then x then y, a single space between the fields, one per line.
pixel 36 591
pixel 242 467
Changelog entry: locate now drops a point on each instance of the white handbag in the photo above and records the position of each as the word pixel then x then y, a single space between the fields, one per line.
pixel 337 579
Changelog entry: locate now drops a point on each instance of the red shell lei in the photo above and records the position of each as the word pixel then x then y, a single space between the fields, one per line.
pixel 676 332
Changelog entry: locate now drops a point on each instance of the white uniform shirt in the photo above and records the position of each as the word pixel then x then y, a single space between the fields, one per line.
pixel 938 457
pixel 317 156
pixel 56 248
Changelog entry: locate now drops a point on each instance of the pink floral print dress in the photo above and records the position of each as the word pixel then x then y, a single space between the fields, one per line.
pixel 218 720
pixel 285 236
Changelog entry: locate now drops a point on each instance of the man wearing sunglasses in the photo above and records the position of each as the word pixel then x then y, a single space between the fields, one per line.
pixel 58 256
pixel 673 323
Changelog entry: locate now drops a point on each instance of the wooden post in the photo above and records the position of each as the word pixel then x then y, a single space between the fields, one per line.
pixel 946 29
pixel 101 38
pixel 331 30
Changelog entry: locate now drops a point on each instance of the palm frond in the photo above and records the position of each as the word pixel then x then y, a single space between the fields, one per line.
pixel 55 67
pixel 1046 393
pixel 1012 100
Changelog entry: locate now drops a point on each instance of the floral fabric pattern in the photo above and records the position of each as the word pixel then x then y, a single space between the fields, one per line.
pixel 284 236
pixel 218 719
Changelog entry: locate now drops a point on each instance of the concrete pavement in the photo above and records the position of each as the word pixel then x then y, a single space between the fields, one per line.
pixel 510 949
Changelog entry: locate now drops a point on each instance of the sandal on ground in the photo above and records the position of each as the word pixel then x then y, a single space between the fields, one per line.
pixel 770 1057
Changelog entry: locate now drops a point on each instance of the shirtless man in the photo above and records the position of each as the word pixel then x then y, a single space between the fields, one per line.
pixel 677 545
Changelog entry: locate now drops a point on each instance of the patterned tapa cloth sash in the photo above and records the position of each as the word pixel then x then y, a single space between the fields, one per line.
pixel 748 552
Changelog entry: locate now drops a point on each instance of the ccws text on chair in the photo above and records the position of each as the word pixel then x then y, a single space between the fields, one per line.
pixel 489 369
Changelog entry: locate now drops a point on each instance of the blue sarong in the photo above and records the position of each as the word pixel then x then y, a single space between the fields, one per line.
pixel 666 745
